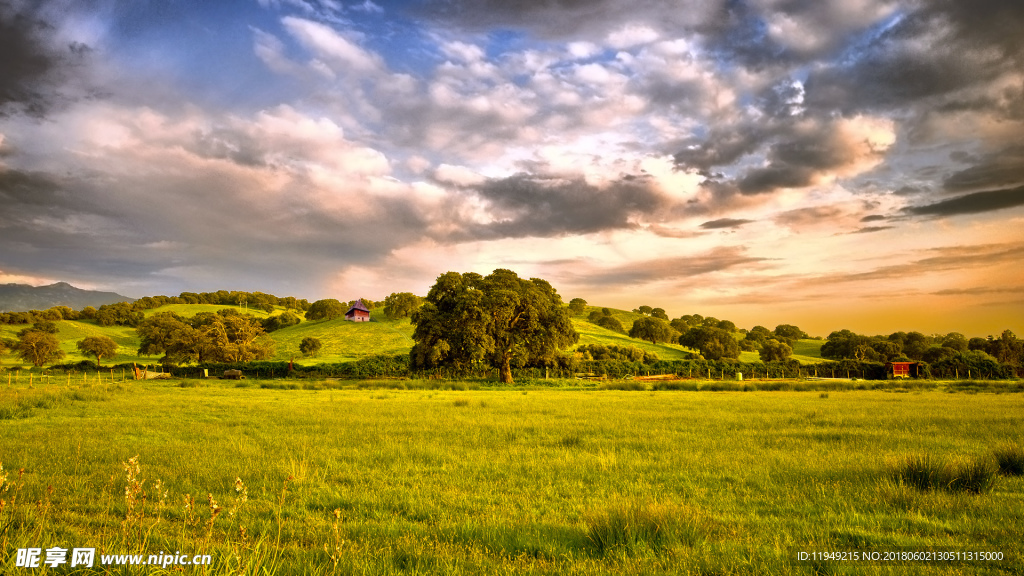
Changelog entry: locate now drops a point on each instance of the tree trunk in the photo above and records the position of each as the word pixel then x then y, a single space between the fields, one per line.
pixel 505 372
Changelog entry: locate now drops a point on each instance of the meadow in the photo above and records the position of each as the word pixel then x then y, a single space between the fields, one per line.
pixel 280 477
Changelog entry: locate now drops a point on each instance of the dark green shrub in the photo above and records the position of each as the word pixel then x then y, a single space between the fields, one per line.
pixel 976 476
pixel 925 472
pixel 1010 459
pixel 633 529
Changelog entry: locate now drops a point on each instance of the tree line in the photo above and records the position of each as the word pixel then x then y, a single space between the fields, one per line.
pixel 132 313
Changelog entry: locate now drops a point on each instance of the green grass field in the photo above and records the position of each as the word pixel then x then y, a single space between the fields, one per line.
pixel 500 481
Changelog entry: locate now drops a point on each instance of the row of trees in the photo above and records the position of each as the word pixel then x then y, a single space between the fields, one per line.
pixel 713 338
pixel 206 337
pixel 397 305
pixel 905 346
pixel 132 313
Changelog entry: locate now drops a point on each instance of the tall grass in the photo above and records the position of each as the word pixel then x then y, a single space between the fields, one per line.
pixel 926 472
pixel 633 528
pixel 1010 459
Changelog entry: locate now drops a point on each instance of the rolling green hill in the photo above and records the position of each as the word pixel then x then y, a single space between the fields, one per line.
pixel 594 334
pixel 344 341
pixel 804 351
pixel 187 310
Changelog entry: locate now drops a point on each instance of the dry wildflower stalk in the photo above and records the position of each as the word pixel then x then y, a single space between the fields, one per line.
pixel 8 505
pixel 241 496
pixel 134 496
pixel 280 506
pixel 215 511
pixel 335 552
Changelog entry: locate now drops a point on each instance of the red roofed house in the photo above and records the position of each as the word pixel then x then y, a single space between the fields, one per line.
pixel 902 369
pixel 358 312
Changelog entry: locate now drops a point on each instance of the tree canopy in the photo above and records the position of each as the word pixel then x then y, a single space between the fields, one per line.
pixel 577 306
pixel 310 347
pixel 653 329
pixel 401 305
pixel 499 320
pixel 773 350
pixel 713 343
pixel 38 347
pixel 99 347
pixel 205 337
pixel 327 309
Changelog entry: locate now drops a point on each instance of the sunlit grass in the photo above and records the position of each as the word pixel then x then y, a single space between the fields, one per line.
pixel 492 481
pixel 343 340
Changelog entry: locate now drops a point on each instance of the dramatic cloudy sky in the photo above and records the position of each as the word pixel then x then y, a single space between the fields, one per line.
pixel 830 163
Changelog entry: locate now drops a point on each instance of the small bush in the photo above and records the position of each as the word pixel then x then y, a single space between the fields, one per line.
pixel 976 476
pixel 1010 459
pixel 633 528
pixel 461 402
pixel 676 385
pixel 571 441
pixel 629 385
pixel 928 473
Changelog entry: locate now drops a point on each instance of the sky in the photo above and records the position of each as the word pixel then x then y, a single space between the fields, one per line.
pixel 831 164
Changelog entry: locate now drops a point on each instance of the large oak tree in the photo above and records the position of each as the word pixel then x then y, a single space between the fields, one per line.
pixel 500 320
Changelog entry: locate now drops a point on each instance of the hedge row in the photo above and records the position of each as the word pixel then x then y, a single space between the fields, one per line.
pixel 397 366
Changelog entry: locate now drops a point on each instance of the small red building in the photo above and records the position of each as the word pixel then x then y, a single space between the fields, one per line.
pixel 902 369
pixel 358 312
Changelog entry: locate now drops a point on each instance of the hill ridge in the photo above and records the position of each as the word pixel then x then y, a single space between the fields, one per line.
pixel 24 297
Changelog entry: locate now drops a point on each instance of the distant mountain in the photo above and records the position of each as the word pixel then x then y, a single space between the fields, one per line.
pixel 22 297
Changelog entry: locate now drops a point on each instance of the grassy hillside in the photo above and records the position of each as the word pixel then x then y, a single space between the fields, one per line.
pixel 594 334
pixel 187 310
pixel 70 332
pixel 804 351
pixel 807 351
pixel 344 341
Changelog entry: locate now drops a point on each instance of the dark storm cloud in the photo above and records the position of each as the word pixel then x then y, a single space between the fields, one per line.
pixel 873 218
pixel 870 229
pixel 541 206
pixel 181 225
pixel 802 217
pixel 795 154
pixel 721 147
pixel 20 187
pixel 1002 169
pixel 975 203
pixel 969 45
pixel 724 223
pixel 31 69
pixel 661 269
pixel 910 190
pixel 738 33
